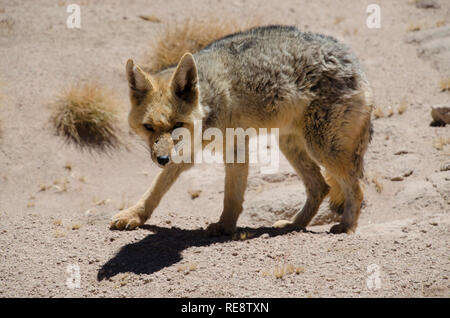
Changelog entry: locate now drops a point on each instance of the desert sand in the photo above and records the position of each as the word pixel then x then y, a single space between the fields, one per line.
pixel 56 201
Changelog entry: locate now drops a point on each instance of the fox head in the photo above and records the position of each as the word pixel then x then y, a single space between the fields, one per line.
pixel 162 103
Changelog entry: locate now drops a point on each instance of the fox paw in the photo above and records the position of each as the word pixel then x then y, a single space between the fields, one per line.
pixel 287 225
pixel 126 220
pixel 219 229
pixel 282 224
pixel 341 228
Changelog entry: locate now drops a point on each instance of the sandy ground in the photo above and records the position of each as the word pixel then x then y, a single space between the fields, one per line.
pixel 401 247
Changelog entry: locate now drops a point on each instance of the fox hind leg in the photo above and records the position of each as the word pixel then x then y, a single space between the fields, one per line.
pixel 351 206
pixel 337 137
pixel 316 187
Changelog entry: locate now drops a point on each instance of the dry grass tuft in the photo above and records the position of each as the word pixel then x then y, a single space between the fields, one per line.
pixel 287 269
pixel 390 111
pixel 75 226
pixel 61 185
pixel 43 187
pixel 187 268
pixel 87 115
pixel 194 193
pixel 441 23
pixel 378 112
pixel 440 142
pixel 376 182
pixel 402 106
pixel 190 36
pixel 60 233
pixel 150 18
pixel 338 20
pixel 444 84
pixel 242 236
pixel 413 27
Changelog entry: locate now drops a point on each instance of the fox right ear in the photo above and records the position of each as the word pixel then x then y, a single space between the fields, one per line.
pixel 139 82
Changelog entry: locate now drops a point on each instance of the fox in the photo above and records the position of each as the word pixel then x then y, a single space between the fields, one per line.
pixel 308 85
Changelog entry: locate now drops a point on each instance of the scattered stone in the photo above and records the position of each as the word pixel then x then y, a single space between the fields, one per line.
pixel 401 152
pixel 408 173
pixel 441 116
pixel 397 179
pixel 427 4
pixel 445 166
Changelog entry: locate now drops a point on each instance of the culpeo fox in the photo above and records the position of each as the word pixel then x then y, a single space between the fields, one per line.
pixel 308 85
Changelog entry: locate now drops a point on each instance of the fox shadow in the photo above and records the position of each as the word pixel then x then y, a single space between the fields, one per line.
pixel 163 248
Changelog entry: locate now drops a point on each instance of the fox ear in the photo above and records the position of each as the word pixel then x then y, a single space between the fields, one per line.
pixel 184 80
pixel 139 82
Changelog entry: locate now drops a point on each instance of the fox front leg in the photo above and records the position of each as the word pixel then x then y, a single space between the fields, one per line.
pixel 235 183
pixel 139 213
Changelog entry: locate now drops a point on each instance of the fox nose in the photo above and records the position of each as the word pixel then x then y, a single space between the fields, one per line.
pixel 162 160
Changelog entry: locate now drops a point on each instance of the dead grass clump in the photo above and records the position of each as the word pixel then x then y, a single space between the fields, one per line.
pixel 194 193
pixel 242 236
pixel 440 142
pixel 286 269
pixel 43 187
pixel 150 18
pixel 187 268
pixel 338 20
pixel 444 84
pixel 60 233
pixel 390 111
pixel 190 36
pixel 68 166
pixel 378 185
pixel 75 226
pixel 378 112
pixel 441 23
pixel 413 27
pixel 402 106
pixel 87 116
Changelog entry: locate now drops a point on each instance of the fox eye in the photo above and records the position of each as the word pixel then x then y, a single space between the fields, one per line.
pixel 178 125
pixel 148 127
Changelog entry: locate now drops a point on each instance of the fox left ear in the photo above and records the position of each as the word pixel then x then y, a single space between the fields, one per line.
pixel 184 80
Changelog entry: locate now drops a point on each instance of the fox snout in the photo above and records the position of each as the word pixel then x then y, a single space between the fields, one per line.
pixel 163 160
pixel 161 149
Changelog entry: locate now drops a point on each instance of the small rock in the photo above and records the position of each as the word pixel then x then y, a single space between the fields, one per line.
pixel 427 4
pixel 407 173
pixel 397 179
pixel 445 166
pixel 440 115
pixel 265 236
